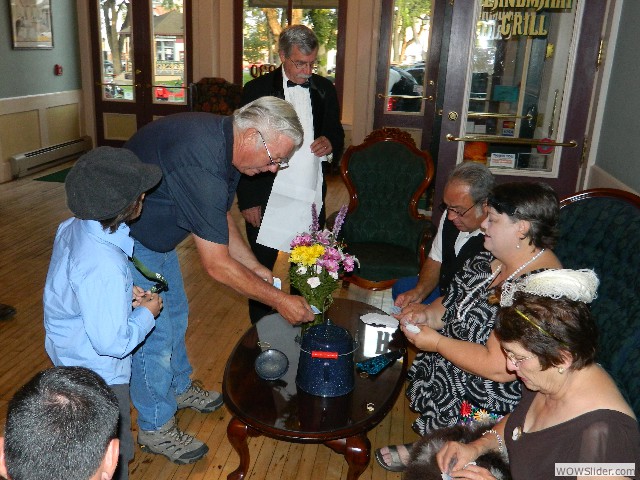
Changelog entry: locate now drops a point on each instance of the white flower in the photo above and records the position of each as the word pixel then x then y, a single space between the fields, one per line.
pixel 318 269
pixel 301 270
pixel 334 275
pixel 313 282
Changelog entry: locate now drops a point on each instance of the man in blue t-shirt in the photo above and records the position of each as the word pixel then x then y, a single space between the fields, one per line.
pixel 201 156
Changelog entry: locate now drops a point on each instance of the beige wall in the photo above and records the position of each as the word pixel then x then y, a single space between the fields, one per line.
pixel 36 121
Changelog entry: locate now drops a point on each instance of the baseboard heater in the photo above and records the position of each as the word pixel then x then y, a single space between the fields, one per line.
pixel 29 162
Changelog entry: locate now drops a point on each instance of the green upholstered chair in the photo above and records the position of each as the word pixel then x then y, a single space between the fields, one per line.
pixel 600 229
pixel 215 95
pixel 385 177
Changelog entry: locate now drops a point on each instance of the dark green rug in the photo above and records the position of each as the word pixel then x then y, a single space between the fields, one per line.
pixel 58 176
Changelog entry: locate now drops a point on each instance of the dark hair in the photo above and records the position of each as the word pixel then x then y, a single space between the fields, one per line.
pixel 299 36
pixel 535 202
pixel 112 224
pixel 552 326
pixel 59 425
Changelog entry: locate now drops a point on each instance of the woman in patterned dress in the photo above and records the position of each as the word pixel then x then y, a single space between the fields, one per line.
pixel 460 358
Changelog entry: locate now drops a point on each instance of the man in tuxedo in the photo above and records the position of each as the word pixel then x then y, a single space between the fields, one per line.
pixel 277 206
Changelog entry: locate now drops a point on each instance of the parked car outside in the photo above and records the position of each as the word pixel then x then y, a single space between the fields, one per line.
pixel 416 70
pixel 402 83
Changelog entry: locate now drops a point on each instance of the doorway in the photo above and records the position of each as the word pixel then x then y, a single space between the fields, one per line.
pixel 141 64
pixel 504 84
pixel 518 89
pixel 411 49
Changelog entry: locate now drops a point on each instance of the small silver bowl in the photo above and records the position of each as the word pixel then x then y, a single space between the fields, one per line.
pixel 271 364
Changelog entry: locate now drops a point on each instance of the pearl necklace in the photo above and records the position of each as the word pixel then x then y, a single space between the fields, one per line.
pixel 508 287
pixel 471 299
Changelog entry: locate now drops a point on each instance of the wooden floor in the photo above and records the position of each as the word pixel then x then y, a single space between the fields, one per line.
pixel 30 212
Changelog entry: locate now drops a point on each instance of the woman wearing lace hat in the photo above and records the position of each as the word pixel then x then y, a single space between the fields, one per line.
pixel 571 410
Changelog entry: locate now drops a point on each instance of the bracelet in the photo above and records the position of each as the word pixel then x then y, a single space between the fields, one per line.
pixel 500 444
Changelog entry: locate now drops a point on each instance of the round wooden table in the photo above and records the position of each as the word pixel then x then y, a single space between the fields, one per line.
pixel 279 410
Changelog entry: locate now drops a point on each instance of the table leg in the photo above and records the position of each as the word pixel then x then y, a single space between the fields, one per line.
pixel 237 433
pixel 356 451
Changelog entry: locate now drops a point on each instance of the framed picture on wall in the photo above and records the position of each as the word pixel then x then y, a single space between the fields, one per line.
pixel 31 24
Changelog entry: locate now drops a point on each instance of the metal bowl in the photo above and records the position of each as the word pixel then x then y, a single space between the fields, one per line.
pixel 271 364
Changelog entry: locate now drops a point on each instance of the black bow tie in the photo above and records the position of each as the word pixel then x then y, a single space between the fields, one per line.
pixel 303 85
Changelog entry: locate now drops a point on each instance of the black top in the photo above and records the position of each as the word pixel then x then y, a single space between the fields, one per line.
pixel 254 191
pixel 451 262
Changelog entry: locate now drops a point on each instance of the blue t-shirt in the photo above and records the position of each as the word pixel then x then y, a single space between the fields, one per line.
pixel 194 151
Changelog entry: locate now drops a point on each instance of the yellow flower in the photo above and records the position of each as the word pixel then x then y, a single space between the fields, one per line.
pixel 304 255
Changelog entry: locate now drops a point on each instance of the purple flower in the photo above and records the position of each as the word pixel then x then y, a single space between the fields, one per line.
pixel 330 265
pixel 315 224
pixel 324 237
pixel 339 220
pixel 348 263
pixel 303 240
pixel 331 253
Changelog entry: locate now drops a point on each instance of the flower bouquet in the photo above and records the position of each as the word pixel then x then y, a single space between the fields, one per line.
pixel 317 259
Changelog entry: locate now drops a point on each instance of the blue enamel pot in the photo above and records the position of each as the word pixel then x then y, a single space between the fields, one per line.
pixel 326 364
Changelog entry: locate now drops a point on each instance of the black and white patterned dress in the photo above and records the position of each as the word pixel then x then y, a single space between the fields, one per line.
pixel 436 386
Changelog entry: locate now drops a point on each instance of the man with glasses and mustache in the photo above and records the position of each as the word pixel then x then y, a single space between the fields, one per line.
pixel 201 156
pixel 277 207
pixel 459 236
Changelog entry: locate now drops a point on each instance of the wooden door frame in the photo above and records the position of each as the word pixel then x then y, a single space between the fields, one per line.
pixel 428 120
pixel 463 27
pixel 144 109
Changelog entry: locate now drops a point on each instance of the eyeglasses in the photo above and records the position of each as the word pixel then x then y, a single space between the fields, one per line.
pixel 302 65
pixel 281 163
pixel 516 362
pixel 445 208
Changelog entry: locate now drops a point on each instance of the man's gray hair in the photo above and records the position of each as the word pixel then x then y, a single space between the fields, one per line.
pixel 271 116
pixel 479 178
pixel 299 36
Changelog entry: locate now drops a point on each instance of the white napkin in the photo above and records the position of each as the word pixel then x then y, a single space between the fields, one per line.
pixel 379 320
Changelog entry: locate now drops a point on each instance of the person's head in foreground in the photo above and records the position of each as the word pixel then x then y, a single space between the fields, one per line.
pixel 61 425
pixel 267 132
pixel 108 185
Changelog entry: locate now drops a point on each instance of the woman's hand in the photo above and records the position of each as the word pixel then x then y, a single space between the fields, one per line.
pixel 426 340
pixel 415 313
pixel 454 456
pixel 472 472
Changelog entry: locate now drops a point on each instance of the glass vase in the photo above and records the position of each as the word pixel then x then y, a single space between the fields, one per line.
pixel 322 304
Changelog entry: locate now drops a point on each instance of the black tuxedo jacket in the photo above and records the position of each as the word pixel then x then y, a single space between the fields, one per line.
pixel 255 190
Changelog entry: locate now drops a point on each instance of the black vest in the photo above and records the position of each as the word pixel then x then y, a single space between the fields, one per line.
pixel 450 262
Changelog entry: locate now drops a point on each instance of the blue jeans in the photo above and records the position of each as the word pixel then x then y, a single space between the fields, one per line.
pixel 160 368
pixel 405 284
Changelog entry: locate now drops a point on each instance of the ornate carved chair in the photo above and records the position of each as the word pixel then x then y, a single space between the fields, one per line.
pixel 600 229
pixel 215 95
pixel 385 177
